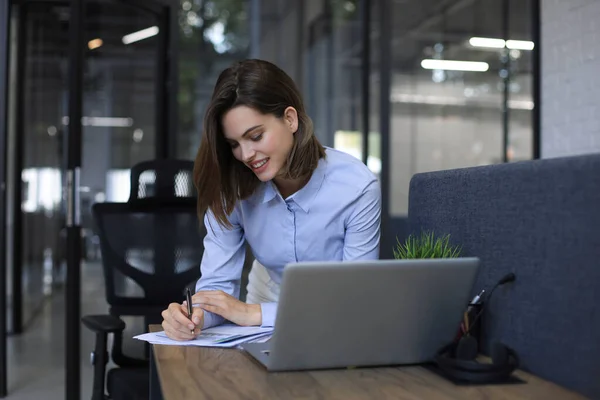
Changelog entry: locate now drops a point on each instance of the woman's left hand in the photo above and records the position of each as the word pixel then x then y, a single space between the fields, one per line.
pixel 227 306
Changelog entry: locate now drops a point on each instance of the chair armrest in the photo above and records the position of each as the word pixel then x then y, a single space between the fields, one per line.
pixel 103 323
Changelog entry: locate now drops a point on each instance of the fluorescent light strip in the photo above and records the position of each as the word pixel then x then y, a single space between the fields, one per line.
pixel 450 65
pixel 427 99
pixel 114 122
pixel 521 104
pixel 520 45
pixel 140 35
pixel 493 43
pixel 487 42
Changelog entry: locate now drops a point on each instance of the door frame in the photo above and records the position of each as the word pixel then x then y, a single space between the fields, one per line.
pixel 166 83
pixel 4 53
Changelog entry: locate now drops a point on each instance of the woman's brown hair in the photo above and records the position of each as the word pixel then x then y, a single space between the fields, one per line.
pixel 220 179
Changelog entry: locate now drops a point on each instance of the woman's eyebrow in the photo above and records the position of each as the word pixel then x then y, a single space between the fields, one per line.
pixel 250 130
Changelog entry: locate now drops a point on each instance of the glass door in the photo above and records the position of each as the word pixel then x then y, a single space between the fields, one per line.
pixel 122 110
pixel 91 80
pixel 122 113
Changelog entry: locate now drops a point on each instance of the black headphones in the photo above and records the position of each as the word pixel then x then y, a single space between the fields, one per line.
pixel 457 359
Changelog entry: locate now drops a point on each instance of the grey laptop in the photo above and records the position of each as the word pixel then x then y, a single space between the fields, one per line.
pixel 367 313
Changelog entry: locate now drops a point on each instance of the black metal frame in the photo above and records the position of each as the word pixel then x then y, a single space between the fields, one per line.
pixel 365 15
pixel 17 195
pixel 171 85
pixel 4 56
pixel 166 81
pixel 74 149
pixel 161 146
pixel 505 80
pixel 536 116
pixel 385 83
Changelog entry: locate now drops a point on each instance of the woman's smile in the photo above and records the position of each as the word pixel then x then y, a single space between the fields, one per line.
pixel 260 165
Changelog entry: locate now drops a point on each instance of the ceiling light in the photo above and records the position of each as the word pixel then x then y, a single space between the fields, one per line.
pixel 520 44
pixel 449 65
pixel 487 42
pixel 521 104
pixel 140 35
pixel 138 135
pixel 492 43
pixel 115 122
pixel 95 43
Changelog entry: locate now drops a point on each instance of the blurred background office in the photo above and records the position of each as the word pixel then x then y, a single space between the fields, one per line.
pixel 405 85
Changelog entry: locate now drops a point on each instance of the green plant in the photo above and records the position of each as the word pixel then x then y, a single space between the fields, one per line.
pixel 426 246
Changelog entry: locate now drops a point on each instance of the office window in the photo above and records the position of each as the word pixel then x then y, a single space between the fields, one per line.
pixel 450 68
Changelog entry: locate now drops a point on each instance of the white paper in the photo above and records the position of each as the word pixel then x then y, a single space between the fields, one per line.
pixel 228 335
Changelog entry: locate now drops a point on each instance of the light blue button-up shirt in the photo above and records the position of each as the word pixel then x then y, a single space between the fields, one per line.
pixel 336 216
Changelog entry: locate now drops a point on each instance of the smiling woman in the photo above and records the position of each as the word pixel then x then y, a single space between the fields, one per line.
pixel 255 109
pixel 264 178
pixel 265 145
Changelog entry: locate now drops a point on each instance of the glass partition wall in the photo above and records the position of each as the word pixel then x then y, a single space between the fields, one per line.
pixel 450 85
pixel 76 139
pixel 461 91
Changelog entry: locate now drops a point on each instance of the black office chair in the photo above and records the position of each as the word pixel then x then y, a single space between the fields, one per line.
pixel 151 250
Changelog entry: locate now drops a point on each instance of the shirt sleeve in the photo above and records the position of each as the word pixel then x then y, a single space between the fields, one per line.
pixel 361 241
pixel 268 311
pixel 222 261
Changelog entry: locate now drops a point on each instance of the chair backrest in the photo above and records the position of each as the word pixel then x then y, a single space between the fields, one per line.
pixel 149 254
pixel 162 180
pixel 152 245
pixel 538 219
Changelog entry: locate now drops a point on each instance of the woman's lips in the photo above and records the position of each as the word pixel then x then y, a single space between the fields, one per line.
pixel 259 166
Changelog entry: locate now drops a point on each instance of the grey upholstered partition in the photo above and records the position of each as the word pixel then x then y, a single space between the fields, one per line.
pixel 541 220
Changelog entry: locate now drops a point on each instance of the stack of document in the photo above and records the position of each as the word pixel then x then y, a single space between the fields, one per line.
pixel 228 335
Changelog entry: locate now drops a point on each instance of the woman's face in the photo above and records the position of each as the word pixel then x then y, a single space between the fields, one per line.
pixel 262 142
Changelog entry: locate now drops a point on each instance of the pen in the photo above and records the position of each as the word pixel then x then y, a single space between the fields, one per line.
pixel 188 296
pixel 477 298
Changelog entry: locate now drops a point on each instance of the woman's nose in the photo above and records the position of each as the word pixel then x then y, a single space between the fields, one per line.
pixel 248 153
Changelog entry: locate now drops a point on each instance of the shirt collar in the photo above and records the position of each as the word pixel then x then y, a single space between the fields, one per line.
pixel 268 192
pixel 303 197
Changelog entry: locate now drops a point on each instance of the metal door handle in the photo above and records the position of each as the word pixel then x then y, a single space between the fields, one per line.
pixel 73 197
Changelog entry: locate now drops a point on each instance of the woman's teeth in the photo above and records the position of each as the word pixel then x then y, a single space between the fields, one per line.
pixel 260 163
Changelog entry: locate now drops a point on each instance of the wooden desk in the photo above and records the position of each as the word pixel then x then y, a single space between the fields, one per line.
pixel 206 373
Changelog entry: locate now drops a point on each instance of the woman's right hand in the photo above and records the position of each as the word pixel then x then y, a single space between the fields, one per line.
pixel 178 326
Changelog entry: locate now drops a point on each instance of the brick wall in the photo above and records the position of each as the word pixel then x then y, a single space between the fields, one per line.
pixel 570 63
